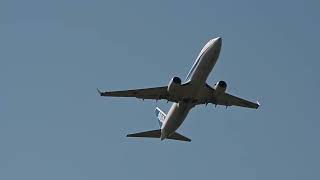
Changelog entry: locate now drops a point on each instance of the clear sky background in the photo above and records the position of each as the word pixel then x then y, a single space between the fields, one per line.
pixel 54 54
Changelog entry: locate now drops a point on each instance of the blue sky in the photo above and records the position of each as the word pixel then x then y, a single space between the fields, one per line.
pixel 54 54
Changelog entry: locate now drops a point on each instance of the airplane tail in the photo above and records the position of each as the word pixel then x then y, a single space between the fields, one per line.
pixel 160 115
pixel 157 133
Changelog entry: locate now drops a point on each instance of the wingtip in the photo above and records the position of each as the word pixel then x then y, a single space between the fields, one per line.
pixel 258 104
pixel 100 93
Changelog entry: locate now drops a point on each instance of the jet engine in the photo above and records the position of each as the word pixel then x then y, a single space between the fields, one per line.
pixel 174 86
pixel 220 87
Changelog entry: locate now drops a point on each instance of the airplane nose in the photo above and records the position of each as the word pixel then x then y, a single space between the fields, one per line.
pixel 218 40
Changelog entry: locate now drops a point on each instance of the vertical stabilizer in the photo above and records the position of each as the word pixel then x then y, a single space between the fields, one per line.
pixel 160 115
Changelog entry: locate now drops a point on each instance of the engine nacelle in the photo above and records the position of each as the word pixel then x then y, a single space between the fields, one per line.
pixel 220 87
pixel 174 86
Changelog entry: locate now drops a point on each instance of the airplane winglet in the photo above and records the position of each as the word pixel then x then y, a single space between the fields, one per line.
pixel 99 92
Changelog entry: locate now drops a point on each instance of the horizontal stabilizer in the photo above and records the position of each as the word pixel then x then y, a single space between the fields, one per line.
pixel 148 134
pixel 157 134
pixel 179 137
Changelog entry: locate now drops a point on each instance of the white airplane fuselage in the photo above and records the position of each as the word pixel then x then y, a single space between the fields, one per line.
pixel 197 78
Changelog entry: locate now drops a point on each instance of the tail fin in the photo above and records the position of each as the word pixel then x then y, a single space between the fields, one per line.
pixel 160 115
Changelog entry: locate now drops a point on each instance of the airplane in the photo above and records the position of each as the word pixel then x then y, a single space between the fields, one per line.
pixel 194 91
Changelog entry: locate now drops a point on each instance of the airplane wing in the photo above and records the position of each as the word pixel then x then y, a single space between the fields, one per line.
pixel 156 93
pixel 230 100
pixel 225 99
